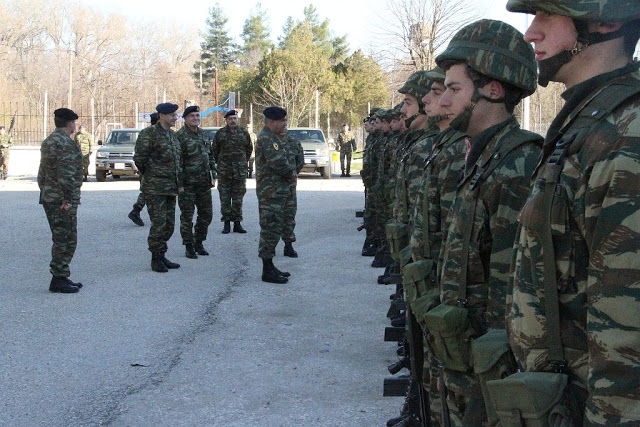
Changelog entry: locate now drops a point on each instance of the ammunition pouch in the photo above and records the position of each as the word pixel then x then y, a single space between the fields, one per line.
pixel 405 256
pixel 449 336
pixel 423 304
pixel 398 238
pixel 532 399
pixel 492 360
pixel 417 279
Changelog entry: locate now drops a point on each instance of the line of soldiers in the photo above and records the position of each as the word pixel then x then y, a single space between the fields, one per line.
pixel 5 144
pixel 515 257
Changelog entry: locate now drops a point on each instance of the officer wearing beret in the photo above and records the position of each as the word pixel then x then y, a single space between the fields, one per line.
pixel 275 174
pixel 60 178
pixel 232 149
pixel 199 176
pixel 158 158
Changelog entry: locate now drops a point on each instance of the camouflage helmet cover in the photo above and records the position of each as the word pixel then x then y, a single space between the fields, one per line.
pixel 495 49
pixel 395 113
pixel 418 84
pixel 582 10
pixel 436 74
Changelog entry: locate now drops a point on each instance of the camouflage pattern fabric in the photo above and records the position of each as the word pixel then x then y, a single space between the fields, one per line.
pixel 369 174
pixel 345 144
pixel 59 179
pixel 140 202
pixel 5 144
pixel 232 151
pixel 158 158
pixel 596 235
pixel 199 173
pixel 295 153
pixel 596 11
pixel 162 213
pixel 275 175
pixel 85 141
pixel 497 201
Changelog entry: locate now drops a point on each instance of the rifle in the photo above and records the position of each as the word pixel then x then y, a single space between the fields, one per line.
pixel 416 355
pixel 444 408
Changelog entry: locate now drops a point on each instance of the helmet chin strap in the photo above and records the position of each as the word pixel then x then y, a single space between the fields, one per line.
pixel 409 120
pixel 548 68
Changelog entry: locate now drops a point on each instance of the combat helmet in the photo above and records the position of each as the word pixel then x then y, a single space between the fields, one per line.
pixel 497 50
pixel 418 85
pixel 582 10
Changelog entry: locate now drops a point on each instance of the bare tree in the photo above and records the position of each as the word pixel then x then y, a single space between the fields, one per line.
pixel 416 29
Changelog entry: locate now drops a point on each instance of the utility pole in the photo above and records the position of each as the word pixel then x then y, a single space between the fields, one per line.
pixel 215 86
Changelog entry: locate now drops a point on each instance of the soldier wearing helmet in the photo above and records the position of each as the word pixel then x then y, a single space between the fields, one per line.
pixel 489 69
pixel 572 312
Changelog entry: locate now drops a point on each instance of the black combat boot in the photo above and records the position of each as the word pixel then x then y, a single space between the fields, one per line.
pixel 342 175
pixel 134 216
pixel 157 264
pixel 237 227
pixel 270 273
pixel 168 263
pixel 227 227
pixel 189 252
pixel 282 273
pixel 289 251
pixel 347 174
pixel 200 249
pixel 62 285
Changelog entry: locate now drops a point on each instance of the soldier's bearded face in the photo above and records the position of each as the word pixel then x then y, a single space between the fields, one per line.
pixel 410 106
pixel 459 90
pixel 232 121
pixel 279 127
pixel 168 120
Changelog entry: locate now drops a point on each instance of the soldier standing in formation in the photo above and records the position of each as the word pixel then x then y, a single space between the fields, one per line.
pixel 276 174
pixel 60 178
pixel 158 158
pixel 232 150
pixel 573 312
pixel 198 178
pixel 5 144
pixel 489 69
pixel 134 215
pixel 85 141
pixel 346 146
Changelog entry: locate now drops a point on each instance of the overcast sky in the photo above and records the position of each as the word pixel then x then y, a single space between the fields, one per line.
pixel 359 19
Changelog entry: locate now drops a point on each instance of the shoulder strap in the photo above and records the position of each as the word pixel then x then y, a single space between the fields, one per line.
pixel 588 116
pixel 515 138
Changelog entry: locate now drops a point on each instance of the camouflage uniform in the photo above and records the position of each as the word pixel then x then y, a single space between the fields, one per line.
pixel 594 227
pixel 157 157
pixel 346 144
pixel 5 144
pixel 476 252
pixel 232 151
pixel 199 173
pixel 295 153
pixel 85 141
pixel 275 177
pixel 139 204
pixel 60 178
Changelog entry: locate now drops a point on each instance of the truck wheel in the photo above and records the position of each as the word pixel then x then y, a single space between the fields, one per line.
pixel 101 176
pixel 326 172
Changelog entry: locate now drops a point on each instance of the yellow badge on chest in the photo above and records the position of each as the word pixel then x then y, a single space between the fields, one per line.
pixel 275 146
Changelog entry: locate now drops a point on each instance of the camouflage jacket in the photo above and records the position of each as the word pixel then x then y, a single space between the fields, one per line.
pixel 5 142
pixel 198 166
pixel 232 146
pixel 595 225
pixel 369 162
pixel 85 141
pixel 411 166
pixel 435 193
pixel 295 153
pixel 275 166
pixel 346 142
pixel 157 157
pixel 490 207
pixel 61 170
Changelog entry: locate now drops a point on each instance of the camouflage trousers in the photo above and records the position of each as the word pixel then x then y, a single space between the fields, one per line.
pixel 345 157
pixel 232 187
pixel 86 160
pixel 192 198
pixel 464 398
pixel 64 233
pixel 289 214
pixel 162 212
pixel 139 204
pixel 4 160
pixel 272 223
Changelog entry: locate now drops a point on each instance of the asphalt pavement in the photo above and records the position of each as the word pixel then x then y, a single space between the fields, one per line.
pixel 209 344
